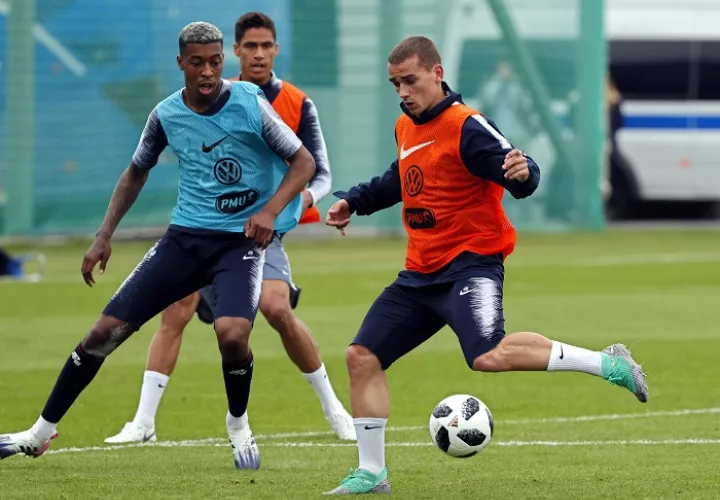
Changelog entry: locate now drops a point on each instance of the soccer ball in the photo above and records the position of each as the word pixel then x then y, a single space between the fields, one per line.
pixel 461 425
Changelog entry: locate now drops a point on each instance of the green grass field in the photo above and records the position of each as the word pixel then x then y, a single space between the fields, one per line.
pixel 557 436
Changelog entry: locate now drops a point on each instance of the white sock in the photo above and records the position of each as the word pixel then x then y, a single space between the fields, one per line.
pixel 371 443
pixel 321 383
pixel 565 357
pixel 236 422
pixel 154 384
pixel 43 429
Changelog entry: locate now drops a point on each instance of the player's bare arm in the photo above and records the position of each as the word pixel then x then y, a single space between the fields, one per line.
pixel 301 167
pixel 126 192
pixel 153 141
pixel 300 170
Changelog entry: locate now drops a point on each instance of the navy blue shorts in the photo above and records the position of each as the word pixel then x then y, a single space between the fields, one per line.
pixel 403 317
pixel 181 263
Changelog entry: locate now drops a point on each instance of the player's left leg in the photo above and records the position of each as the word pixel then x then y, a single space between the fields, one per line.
pixel 473 309
pixel 166 274
pixel 236 286
pixel 400 319
pixel 275 305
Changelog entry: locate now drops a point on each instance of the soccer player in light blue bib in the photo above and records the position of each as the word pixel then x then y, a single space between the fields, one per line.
pixel 256 47
pixel 241 174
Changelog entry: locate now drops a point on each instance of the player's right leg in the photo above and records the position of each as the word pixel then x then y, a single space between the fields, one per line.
pixel 162 357
pixel 473 309
pixel 165 275
pixel 236 286
pixel 398 321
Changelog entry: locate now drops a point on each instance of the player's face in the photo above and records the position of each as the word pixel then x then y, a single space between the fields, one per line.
pixel 419 88
pixel 257 51
pixel 202 65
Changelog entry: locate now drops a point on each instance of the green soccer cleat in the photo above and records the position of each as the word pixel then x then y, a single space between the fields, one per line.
pixel 620 368
pixel 361 481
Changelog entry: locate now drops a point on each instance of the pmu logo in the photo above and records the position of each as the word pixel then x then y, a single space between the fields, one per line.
pixel 227 171
pixel 419 218
pixel 232 203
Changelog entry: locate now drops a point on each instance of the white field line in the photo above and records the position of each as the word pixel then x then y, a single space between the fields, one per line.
pixel 636 442
pixel 209 442
pixel 522 421
pixel 213 443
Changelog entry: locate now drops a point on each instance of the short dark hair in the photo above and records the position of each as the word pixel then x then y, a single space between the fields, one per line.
pixel 419 46
pixel 253 20
pixel 199 32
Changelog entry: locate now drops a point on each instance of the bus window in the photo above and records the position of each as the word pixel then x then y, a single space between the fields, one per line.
pixel 709 72
pixel 651 70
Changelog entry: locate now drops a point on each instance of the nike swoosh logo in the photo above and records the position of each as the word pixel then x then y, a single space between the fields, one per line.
pixel 371 427
pixel 207 149
pixel 562 353
pixel 249 257
pixel 404 153
pixel 465 292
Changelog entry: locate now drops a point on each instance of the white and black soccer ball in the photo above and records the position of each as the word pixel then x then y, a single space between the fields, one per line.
pixel 461 425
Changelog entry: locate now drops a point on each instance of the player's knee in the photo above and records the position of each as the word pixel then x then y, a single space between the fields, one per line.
pixel 233 334
pixel 106 335
pixel 278 314
pixel 496 360
pixel 275 306
pixel 361 361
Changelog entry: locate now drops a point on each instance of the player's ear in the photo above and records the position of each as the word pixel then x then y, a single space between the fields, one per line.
pixel 180 62
pixel 439 73
pixel 236 49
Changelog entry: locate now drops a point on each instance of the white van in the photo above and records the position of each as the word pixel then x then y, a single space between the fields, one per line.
pixel 664 57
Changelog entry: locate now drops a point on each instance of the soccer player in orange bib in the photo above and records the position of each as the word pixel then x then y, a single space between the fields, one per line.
pixel 452 168
pixel 256 47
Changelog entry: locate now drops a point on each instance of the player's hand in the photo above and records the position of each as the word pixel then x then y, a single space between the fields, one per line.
pixel 260 228
pixel 339 216
pixel 307 201
pixel 99 251
pixel 516 166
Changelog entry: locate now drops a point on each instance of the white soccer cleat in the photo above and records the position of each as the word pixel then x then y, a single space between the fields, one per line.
pixel 26 442
pixel 133 433
pixel 342 423
pixel 245 449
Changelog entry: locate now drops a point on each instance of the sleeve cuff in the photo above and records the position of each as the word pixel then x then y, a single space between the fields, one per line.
pixel 345 195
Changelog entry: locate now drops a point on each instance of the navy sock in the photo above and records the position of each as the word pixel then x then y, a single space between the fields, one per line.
pixel 237 384
pixel 78 372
